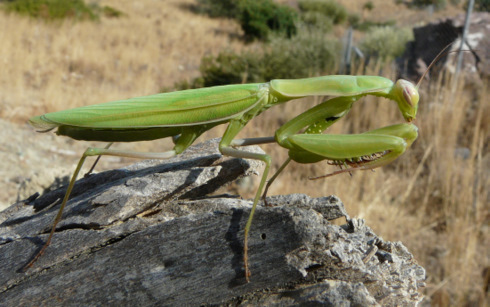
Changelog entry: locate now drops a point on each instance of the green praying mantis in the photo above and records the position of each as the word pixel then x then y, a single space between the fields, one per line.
pixel 185 115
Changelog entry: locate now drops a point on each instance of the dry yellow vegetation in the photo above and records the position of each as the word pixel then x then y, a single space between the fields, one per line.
pixel 47 67
pixel 434 199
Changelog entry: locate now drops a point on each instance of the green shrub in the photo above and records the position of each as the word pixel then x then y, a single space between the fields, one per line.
pixel 230 68
pixel 304 55
pixel 369 6
pixel 258 18
pixel 184 85
pixel 329 8
pixel 317 20
pixel 386 42
pixel 110 12
pixel 310 53
pixel 438 4
pixel 354 19
pixel 368 24
pixel 220 8
pixel 59 9
pixel 51 9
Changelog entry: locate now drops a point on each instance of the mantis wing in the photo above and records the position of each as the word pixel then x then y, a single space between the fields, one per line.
pixel 183 108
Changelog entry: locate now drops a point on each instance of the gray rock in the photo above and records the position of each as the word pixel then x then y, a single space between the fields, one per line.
pixel 149 235
pixel 430 39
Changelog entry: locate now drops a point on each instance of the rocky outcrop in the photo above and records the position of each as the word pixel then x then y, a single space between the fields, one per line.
pixel 430 39
pixel 148 234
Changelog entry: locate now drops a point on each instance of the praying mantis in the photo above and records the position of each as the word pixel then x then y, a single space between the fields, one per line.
pixel 185 115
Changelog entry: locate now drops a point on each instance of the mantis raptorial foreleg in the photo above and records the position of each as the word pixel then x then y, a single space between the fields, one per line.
pixel 356 151
pixel 364 151
pixel 316 121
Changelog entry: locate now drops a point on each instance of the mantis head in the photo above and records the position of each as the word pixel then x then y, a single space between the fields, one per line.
pixel 406 95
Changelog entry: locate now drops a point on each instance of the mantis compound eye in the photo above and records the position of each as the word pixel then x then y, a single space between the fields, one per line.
pixel 408 97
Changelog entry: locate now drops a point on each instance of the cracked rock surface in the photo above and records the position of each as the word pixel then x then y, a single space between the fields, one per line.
pixel 148 235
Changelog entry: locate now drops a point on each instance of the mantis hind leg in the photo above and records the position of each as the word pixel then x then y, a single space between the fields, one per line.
pixel 91 151
pixel 181 144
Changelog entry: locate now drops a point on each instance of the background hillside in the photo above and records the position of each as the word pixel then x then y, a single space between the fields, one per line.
pixel 434 198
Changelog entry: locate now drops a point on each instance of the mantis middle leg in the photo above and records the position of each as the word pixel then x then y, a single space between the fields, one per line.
pixel 316 119
pixel 233 128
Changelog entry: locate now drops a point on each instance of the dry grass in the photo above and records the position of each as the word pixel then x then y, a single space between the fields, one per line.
pixel 434 199
pixel 48 67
